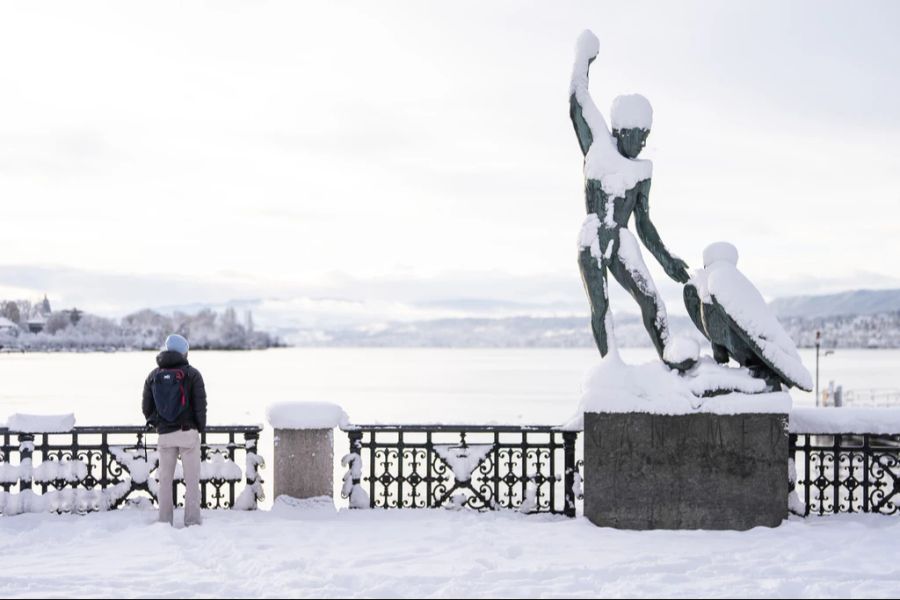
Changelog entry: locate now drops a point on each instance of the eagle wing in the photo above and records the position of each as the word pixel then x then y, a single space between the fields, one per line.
pixel 750 317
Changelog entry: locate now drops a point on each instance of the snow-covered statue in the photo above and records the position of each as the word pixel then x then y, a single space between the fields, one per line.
pixel 728 309
pixel 617 185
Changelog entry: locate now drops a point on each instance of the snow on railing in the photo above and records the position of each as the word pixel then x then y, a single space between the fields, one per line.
pixel 845 420
pixel 845 460
pixel 88 469
pixel 525 468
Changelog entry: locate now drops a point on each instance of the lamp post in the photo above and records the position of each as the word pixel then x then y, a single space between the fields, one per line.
pixel 827 352
pixel 818 345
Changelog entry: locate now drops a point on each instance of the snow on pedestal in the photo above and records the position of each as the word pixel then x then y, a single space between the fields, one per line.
pixel 680 350
pixel 648 430
pixel 616 387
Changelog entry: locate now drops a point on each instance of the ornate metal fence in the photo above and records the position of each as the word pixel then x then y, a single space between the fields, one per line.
pixel 531 469
pixel 846 473
pixel 102 468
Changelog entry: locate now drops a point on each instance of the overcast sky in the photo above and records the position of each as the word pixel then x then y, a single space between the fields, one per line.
pixel 167 153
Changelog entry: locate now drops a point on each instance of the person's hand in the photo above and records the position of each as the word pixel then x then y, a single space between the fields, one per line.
pixel 678 271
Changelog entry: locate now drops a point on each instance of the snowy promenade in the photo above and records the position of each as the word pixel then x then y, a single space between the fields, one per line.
pixel 317 552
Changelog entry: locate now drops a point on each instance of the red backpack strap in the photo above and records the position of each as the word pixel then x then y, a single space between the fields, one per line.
pixel 181 376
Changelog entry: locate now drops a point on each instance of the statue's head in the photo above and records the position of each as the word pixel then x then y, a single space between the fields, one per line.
pixel 632 117
pixel 720 252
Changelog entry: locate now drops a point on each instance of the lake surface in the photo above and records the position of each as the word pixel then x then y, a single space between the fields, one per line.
pixel 538 386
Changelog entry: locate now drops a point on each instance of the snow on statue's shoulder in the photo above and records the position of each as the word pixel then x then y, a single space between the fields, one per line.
pixel 615 173
pixel 306 415
pixel 743 303
pixel 41 423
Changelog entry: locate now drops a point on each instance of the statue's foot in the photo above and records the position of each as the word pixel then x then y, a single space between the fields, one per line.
pixel 683 366
pixel 681 354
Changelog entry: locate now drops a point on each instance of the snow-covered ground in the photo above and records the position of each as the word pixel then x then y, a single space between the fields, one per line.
pixel 314 551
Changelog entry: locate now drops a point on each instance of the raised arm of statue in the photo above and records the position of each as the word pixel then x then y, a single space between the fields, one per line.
pixel 673 266
pixel 586 118
pixel 582 131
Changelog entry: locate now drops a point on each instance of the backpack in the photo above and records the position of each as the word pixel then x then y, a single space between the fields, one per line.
pixel 168 394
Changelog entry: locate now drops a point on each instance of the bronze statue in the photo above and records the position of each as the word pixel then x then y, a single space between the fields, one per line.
pixel 727 308
pixel 617 185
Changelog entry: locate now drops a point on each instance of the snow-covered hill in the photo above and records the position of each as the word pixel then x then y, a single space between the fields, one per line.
pixel 853 302
pixel 510 332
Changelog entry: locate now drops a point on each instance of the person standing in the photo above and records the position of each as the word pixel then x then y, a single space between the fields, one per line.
pixel 174 403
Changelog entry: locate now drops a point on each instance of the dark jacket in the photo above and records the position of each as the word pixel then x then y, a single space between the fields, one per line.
pixel 194 390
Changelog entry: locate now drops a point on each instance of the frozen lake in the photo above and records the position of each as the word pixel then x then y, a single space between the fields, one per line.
pixel 538 386
pixel 389 385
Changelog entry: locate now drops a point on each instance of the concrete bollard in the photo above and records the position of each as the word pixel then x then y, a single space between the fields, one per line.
pixel 304 447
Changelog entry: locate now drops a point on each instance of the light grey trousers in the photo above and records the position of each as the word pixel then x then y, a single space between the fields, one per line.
pixel 187 444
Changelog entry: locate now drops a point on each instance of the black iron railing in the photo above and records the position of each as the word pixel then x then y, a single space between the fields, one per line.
pixel 846 473
pixel 101 468
pixel 528 468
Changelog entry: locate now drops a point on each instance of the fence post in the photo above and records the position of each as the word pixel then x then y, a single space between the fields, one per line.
pixel 352 488
pixel 569 438
pixel 26 451
pixel 253 490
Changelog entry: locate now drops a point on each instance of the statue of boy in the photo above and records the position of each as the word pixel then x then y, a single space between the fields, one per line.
pixel 617 184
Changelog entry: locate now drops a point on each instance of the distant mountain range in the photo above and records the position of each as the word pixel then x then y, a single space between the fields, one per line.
pixel 853 319
pixel 508 332
pixel 854 302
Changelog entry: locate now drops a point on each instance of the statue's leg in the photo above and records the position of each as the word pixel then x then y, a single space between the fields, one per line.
pixel 593 274
pixel 629 269
pixel 720 354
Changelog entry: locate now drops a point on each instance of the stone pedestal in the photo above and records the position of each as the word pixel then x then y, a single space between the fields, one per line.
pixel 304 462
pixel 696 471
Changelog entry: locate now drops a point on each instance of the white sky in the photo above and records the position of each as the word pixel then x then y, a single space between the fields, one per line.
pixel 166 153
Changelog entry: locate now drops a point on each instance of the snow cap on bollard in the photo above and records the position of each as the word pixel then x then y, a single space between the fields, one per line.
pixel 40 423
pixel 306 415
